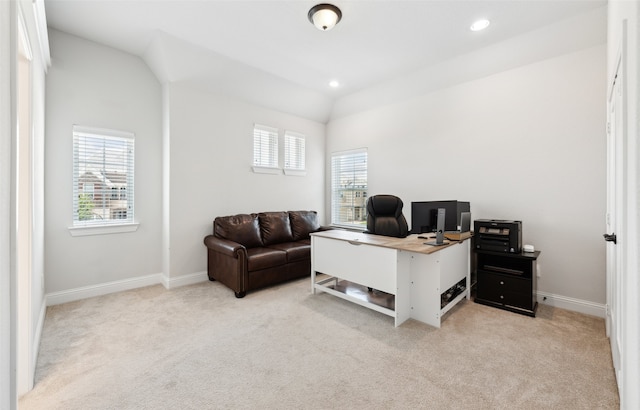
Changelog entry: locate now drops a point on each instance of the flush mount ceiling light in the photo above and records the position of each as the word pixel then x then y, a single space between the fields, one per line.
pixel 480 25
pixel 324 16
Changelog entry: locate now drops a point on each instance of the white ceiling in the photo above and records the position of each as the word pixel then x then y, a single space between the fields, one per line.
pixel 376 41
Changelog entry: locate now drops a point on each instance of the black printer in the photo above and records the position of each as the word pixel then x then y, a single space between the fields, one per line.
pixel 498 235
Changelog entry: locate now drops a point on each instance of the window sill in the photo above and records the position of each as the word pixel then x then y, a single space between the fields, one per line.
pixel 354 228
pixel 102 229
pixel 266 170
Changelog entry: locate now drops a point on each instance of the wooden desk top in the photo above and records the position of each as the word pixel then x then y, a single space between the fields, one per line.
pixel 411 243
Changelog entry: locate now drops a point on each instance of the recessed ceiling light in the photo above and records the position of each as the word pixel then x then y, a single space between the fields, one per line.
pixel 334 84
pixel 480 25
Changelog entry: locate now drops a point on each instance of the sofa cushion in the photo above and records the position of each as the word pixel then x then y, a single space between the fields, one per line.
pixel 275 227
pixel 264 258
pixel 303 223
pixel 242 228
pixel 295 250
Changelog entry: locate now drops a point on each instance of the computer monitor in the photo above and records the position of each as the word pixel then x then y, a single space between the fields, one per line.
pixel 424 215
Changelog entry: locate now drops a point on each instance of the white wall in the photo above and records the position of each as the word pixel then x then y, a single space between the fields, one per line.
pixel 526 144
pixel 562 37
pixel 93 85
pixel 211 153
pixel 527 138
pixel 193 163
pixel 174 60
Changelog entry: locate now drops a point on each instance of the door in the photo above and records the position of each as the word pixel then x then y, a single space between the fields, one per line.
pixel 615 213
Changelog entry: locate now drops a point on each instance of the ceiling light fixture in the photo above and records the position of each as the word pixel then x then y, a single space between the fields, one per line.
pixel 480 25
pixel 334 84
pixel 324 16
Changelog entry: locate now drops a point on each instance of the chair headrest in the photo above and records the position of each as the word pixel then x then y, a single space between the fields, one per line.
pixel 385 205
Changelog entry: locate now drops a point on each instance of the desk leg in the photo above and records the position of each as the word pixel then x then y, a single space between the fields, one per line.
pixel 313 271
pixel 404 285
pixel 468 245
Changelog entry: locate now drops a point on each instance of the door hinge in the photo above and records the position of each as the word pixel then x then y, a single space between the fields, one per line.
pixel 608 128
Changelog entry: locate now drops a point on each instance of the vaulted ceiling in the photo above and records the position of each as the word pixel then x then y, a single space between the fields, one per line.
pixel 257 47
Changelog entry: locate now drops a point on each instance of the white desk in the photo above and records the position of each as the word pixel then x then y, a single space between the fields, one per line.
pixel 417 274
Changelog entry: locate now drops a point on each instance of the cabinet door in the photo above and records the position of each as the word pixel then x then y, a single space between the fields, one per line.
pixel 505 290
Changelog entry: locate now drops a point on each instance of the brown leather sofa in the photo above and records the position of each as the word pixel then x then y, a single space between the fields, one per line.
pixel 252 251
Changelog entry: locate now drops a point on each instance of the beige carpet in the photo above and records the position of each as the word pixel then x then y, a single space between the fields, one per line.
pixel 198 347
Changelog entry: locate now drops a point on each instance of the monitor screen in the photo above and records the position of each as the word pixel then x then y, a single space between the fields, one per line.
pixel 424 215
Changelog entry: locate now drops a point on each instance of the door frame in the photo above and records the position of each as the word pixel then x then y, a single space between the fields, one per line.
pixel 23 203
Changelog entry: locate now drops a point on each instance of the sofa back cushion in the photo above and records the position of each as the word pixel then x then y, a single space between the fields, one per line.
pixel 275 227
pixel 303 223
pixel 243 229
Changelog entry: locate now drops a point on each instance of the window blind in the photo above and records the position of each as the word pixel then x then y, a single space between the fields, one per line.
pixel 294 151
pixel 265 146
pixel 349 188
pixel 103 175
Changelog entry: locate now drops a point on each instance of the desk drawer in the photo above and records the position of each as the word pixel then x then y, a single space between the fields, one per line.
pixel 368 265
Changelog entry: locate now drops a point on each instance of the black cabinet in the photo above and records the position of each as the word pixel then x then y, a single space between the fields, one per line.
pixel 507 280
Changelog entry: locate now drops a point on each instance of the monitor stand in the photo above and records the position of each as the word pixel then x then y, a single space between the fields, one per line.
pixel 440 231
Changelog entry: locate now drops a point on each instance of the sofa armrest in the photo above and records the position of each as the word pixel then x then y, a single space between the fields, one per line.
pixel 227 263
pixel 224 246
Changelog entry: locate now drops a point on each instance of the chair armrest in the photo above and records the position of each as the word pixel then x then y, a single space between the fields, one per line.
pixel 224 246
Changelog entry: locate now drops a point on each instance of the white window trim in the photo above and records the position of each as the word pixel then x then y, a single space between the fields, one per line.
pixel 353 227
pixel 103 229
pixel 111 228
pixel 291 170
pixel 266 170
pixel 280 153
pixel 261 169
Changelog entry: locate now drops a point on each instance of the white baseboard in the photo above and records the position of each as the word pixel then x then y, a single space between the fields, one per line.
pixel 37 336
pixel 85 292
pixel 576 305
pixel 184 280
pixel 71 295
pixel 56 298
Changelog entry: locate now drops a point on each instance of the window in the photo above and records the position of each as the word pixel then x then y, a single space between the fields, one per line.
pixel 103 166
pixel 294 153
pixel 119 214
pixel 265 149
pixel 349 188
pixel 87 189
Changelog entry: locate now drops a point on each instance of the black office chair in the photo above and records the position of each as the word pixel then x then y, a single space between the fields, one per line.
pixel 384 216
